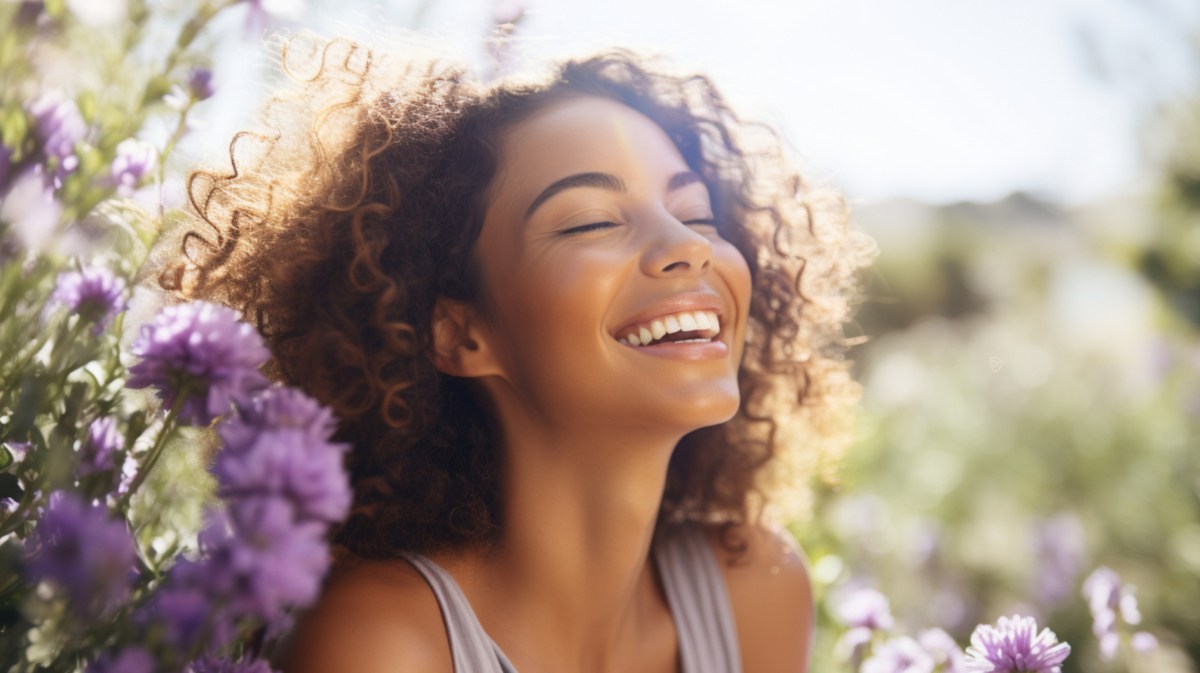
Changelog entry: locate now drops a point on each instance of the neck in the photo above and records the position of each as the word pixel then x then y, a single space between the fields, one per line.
pixel 573 564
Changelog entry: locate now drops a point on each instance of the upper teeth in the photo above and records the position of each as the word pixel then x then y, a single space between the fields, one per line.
pixel 705 322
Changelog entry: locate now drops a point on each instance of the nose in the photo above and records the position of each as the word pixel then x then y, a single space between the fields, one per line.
pixel 675 248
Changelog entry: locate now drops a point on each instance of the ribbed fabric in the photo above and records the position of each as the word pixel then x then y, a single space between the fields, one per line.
pixel 470 647
pixel 699 602
pixel 696 595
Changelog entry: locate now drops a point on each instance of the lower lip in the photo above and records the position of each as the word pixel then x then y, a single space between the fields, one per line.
pixel 697 350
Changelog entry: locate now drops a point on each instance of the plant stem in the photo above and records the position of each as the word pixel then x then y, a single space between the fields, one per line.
pixel 155 451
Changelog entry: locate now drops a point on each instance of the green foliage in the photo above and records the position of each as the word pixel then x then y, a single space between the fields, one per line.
pixel 59 372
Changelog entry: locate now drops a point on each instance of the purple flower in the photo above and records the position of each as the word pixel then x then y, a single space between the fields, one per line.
pixel 279 446
pixel 203 351
pixel 196 604
pixel 278 561
pixel 104 440
pixel 84 551
pixel 184 610
pixel 899 655
pixel 1102 589
pixel 1111 603
pixel 131 659
pixel 866 608
pixel 256 562
pixel 1143 641
pixel 1106 594
pixel 134 159
pixel 1015 646
pixel 852 645
pixel 211 665
pixel 200 84
pixel 95 294
pixel 943 649
pixel 58 126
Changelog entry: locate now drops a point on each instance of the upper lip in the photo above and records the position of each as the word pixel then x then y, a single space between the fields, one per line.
pixel 678 303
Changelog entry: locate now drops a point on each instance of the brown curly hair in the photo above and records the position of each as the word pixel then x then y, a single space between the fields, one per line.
pixel 338 226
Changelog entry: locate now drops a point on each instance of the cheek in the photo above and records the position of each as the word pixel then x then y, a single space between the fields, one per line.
pixel 736 272
pixel 562 300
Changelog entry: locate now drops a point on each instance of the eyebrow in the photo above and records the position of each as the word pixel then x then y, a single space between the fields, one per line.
pixel 605 181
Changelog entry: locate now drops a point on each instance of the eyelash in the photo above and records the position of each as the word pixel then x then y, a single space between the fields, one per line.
pixel 584 228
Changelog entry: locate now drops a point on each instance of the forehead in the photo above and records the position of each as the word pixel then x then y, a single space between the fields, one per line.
pixel 577 135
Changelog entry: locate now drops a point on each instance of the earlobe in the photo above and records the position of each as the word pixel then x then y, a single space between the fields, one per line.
pixel 460 347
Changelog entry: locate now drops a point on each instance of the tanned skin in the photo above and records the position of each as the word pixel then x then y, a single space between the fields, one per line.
pixel 587 423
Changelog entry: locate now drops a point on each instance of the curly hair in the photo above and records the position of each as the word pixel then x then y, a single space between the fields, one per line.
pixel 337 227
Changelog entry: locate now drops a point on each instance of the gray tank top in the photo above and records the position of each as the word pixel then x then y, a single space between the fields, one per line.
pixel 696 595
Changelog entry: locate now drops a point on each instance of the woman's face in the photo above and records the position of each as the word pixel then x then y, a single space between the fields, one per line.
pixel 613 300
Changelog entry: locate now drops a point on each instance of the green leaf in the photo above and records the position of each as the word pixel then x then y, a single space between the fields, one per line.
pixel 14 127
pixel 87 106
pixel 6 457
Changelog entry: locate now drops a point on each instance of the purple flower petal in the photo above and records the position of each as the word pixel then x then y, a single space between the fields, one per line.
pixel 201 349
pixel 95 294
pixel 943 649
pixel 98 453
pixel 200 84
pixel 863 607
pixel 1102 589
pixel 133 161
pixel 1014 645
pixel 83 550
pixel 131 659
pixel 279 446
pixel 279 560
pixel 59 126
pixel 899 655
pixel 1144 641
pixel 57 123
pixel 1111 603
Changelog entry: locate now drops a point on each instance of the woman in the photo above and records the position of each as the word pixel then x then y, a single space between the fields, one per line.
pixel 568 323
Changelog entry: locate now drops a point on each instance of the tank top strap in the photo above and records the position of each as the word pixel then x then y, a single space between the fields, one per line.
pixel 699 601
pixel 470 647
pixel 695 591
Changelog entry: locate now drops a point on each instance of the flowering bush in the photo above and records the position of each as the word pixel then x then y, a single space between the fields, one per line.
pixel 868 642
pixel 108 562
pixel 101 568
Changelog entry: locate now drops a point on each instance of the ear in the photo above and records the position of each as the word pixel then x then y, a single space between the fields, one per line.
pixel 461 346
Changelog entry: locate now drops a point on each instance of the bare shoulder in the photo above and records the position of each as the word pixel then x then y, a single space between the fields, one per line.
pixel 771 595
pixel 372 617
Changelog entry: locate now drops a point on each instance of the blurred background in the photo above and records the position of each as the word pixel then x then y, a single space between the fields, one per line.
pixel 1031 171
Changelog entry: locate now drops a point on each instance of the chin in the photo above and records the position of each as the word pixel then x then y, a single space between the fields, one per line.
pixel 692 412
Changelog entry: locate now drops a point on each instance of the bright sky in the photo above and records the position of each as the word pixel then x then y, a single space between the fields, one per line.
pixel 938 100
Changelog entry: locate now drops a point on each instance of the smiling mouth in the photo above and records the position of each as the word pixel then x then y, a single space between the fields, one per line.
pixel 682 327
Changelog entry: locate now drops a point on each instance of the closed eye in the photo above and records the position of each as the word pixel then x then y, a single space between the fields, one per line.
pixel 584 228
